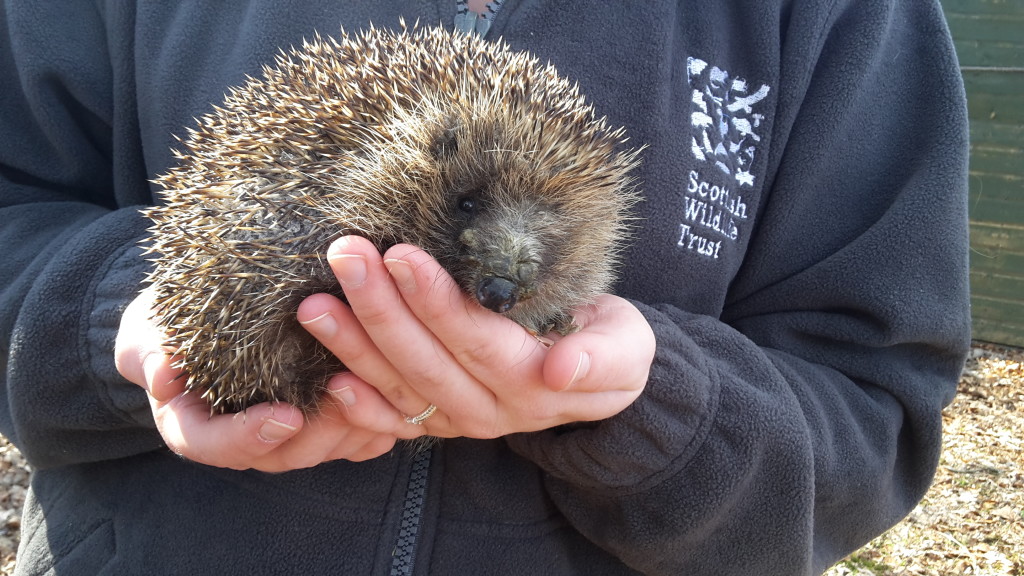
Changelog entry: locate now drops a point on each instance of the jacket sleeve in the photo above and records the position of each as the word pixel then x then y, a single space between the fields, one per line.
pixel 69 242
pixel 806 419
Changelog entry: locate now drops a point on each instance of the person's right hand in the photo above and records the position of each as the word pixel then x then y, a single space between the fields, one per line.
pixel 269 437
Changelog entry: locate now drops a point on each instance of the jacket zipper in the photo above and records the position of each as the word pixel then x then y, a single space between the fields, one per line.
pixel 404 556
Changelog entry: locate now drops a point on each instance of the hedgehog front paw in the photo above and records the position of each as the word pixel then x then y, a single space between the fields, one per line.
pixel 562 324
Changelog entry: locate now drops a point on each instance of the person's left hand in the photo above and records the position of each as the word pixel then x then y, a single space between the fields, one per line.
pixel 272 437
pixel 412 338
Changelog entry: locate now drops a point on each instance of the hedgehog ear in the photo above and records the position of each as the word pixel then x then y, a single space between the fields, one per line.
pixel 446 144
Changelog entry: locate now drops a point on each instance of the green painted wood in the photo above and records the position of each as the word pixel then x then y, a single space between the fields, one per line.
pixel 996 320
pixel 989 39
pixel 999 287
pixel 985 28
pixel 983 7
pixel 995 96
pixel 978 54
pixel 987 158
pixel 994 133
pixel 986 206
pixel 996 331
pixel 989 259
pixel 1001 85
pixel 995 275
pixel 997 236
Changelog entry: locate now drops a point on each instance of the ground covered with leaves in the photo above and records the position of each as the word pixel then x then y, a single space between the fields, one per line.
pixel 971 521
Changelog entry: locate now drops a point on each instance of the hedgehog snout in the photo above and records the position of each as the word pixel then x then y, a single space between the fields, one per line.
pixel 504 281
pixel 504 271
pixel 497 294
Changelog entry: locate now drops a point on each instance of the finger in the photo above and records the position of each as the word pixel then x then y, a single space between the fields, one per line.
pixel 361 356
pixel 129 354
pixel 361 445
pixel 325 436
pixel 487 345
pixel 139 354
pixel 163 380
pixel 392 329
pixel 599 357
pixel 337 328
pixel 365 407
pixel 225 440
pixel 379 445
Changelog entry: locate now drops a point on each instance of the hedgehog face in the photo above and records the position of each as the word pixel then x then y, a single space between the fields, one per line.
pixel 503 248
pixel 504 225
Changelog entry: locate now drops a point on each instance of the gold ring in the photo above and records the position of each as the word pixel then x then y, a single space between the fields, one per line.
pixel 420 418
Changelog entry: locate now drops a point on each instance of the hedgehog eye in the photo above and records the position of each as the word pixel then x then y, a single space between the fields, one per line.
pixel 470 202
pixel 468 205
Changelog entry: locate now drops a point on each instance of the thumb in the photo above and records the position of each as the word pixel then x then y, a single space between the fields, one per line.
pixel 567 367
pixel 139 354
pixel 613 350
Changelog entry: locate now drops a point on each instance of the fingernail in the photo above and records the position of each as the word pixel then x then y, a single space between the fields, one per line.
pixel 582 367
pixel 274 431
pixel 349 268
pixel 402 273
pixel 346 395
pixel 323 325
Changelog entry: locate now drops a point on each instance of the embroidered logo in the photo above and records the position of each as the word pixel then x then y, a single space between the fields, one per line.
pixel 724 119
pixel 726 137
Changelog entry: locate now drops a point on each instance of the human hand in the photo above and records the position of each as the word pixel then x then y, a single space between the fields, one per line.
pixel 269 437
pixel 412 339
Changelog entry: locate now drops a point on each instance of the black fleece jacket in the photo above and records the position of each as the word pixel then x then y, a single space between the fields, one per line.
pixel 802 259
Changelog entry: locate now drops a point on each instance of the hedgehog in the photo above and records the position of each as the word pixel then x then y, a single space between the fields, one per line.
pixel 488 160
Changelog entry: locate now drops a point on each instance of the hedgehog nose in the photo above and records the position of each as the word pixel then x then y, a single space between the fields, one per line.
pixel 497 294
